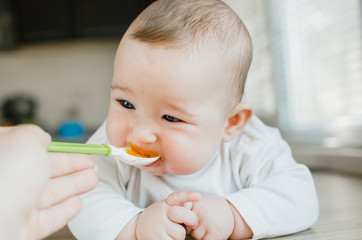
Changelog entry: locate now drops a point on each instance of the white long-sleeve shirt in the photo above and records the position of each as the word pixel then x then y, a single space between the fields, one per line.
pixel 255 172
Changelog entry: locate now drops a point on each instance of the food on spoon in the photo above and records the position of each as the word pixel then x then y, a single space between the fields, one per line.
pixel 136 151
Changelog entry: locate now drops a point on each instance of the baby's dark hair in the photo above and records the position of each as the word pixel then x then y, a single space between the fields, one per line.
pixel 211 24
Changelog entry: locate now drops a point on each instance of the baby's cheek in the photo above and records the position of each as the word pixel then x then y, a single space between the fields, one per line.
pixel 183 158
pixel 172 151
pixel 116 132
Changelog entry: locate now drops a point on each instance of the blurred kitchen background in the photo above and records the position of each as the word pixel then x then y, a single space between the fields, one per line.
pixel 56 60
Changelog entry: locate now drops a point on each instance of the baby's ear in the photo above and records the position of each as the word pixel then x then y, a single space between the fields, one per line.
pixel 237 120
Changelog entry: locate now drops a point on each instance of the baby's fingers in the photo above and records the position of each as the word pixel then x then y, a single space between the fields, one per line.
pixel 182 215
pixel 181 197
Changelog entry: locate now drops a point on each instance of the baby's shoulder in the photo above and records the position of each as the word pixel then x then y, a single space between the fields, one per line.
pixel 255 144
pixel 256 132
pixel 256 138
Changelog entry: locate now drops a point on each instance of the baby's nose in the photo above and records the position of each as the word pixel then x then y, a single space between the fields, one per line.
pixel 143 132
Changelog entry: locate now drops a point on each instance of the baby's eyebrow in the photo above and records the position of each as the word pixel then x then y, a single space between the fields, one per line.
pixel 125 89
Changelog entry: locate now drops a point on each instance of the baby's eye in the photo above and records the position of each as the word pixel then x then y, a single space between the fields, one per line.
pixel 171 119
pixel 126 104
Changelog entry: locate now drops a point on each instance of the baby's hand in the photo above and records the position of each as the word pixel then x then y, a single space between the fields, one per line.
pixel 215 217
pixel 165 219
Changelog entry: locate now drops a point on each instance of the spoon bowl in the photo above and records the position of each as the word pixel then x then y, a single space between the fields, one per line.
pixel 123 156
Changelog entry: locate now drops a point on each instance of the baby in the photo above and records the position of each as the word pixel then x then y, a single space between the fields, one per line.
pixel 179 76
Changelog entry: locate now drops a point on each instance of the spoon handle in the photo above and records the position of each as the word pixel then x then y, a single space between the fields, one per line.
pixel 68 147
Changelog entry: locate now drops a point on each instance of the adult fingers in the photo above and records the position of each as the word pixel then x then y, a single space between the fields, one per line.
pixel 66 163
pixel 181 197
pixel 54 218
pixel 27 134
pixel 64 187
pixel 35 130
pixel 182 215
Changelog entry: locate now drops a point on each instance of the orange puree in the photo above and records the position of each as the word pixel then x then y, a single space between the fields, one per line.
pixel 134 150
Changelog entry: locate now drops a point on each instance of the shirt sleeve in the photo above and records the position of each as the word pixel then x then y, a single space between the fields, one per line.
pixel 105 209
pixel 279 197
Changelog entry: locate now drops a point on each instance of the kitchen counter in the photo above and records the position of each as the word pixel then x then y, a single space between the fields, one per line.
pixel 340 197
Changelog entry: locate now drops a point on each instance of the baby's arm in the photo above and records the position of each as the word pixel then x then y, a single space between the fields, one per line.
pixel 278 195
pixel 163 219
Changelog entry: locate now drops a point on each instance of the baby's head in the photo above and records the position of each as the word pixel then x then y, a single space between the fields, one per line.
pixel 179 75
pixel 206 26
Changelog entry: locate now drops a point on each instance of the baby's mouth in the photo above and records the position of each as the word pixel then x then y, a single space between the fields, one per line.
pixel 134 150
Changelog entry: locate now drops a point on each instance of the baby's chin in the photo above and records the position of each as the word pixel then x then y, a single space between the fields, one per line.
pixel 159 168
pixel 156 169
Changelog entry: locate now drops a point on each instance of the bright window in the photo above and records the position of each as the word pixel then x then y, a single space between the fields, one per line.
pixel 318 59
pixel 306 74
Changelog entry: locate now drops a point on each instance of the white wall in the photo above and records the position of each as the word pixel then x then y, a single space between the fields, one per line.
pixel 61 74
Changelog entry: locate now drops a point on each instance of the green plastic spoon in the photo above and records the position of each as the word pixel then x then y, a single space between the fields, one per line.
pixel 103 149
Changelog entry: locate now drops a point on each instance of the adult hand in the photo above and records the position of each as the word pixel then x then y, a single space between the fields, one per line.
pixel 38 187
pixel 165 219
pixel 71 175
pixel 24 172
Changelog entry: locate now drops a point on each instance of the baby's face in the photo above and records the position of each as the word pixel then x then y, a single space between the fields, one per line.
pixel 164 100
